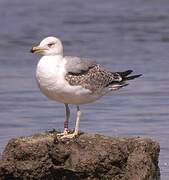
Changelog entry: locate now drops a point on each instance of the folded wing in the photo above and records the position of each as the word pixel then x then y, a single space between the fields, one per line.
pixel 90 75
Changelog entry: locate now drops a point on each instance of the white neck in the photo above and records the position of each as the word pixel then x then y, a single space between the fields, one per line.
pixel 50 62
pixel 55 56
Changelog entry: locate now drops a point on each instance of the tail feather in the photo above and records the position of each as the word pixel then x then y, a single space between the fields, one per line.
pixel 115 85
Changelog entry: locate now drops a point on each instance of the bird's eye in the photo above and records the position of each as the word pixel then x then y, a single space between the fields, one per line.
pixel 50 44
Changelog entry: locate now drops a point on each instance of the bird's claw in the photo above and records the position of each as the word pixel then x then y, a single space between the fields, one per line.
pixel 65 132
pixel 69 136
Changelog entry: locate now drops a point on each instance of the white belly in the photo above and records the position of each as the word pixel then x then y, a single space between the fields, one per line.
pixel 51 81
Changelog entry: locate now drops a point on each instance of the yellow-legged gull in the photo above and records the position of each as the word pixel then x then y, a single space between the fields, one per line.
pixel 73 80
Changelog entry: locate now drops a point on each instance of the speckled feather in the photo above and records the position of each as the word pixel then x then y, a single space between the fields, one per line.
pixel 95 79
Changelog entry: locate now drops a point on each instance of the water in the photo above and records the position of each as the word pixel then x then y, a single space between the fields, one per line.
pixel 130 34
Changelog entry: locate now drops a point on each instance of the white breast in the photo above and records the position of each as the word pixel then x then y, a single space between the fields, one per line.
pixel 50 78
pixel 50 73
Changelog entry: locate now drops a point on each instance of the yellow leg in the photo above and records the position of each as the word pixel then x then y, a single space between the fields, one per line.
pixel 76 126
pixel 77 121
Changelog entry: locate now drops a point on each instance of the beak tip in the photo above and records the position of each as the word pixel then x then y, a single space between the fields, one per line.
pixel 31 51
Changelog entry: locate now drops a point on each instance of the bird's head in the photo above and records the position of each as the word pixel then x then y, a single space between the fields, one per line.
pixel 49 46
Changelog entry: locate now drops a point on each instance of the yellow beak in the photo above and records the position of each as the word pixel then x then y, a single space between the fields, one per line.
pixel 36 49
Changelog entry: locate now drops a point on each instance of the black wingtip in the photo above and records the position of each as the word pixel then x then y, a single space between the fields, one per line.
pixel 133 77
pixel 128 72
pixel 125 73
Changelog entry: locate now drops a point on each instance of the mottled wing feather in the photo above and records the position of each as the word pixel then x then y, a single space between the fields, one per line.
pixel 76 65
pixel 95 79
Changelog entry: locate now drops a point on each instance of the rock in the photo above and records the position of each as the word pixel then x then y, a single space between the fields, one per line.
pixel 89 156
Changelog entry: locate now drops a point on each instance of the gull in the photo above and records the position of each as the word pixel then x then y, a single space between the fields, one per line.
pixel 73 80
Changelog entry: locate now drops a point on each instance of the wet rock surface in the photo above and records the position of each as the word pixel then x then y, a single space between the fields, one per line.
pixel 89 156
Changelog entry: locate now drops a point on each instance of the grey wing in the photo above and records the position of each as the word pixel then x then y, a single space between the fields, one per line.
pixel 95 78
pixel 76 65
